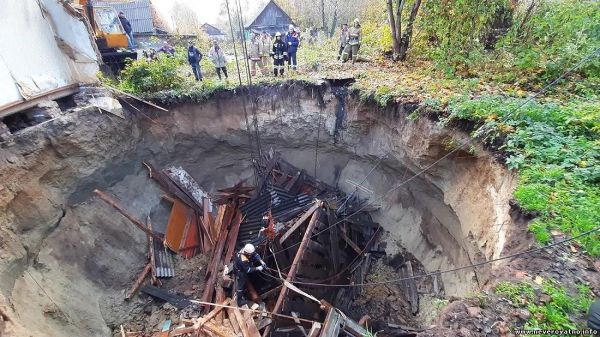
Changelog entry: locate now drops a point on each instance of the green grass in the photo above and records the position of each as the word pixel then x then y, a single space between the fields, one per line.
pixel 560 312
pixel 555 148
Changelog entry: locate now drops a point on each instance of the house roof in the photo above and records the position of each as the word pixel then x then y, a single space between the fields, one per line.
pixel 138 12
pixel 258 15
pixel 211 30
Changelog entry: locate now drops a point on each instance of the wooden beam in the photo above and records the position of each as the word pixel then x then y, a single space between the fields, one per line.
pixel 123 331
pixel 151 251
pixel 300 221
pixel 232 240
pixel 332 324
pixel 295 264
pixel 315 329
pixel 130 217
pixel 353 328
pixel 349 241
pixel 241 322
pixel 139 281
pixel 212 314
pixel 135 97
pixel 252 329
pixel 233 320
pixel 214 329
pixel 216 259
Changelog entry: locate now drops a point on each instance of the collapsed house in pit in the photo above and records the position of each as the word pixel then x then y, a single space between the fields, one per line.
pixel 47 53
pixel 310 233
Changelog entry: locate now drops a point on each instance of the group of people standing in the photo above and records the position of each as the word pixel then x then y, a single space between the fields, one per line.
pixel 350 40
pixel 282 49
pixel 215 54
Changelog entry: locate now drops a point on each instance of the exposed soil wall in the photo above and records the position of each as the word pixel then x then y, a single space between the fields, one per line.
pixel 54 235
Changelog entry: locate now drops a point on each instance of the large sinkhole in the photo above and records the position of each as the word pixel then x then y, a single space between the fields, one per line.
pixel 67 259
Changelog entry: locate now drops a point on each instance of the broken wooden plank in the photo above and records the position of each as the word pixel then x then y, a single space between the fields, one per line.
pixel 220 297
pixel 315 329
pixel 353 328
pixel 412 289
pixel 295 264
pixel 298 324
pixel 333 241
pixel 213 313
pixel 300 221
pixel 214 329
pixel 349 241
pixel 135 97
pixel 139 281
pixel 233 320
pixel 123 331
pixel 332 324
pixel 215 262
pixel 252 329
pixel 232 239
pixel 126 214
pixel 241 322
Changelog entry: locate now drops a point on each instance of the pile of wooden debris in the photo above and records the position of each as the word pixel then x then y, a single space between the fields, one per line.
pixel 309 233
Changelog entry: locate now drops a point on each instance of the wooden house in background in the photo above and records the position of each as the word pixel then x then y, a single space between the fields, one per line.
pixel 271 19
pixel 213 32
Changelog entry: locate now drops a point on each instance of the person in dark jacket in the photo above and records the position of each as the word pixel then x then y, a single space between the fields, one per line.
pixel 247 261
pixel 594 316
pixel 292 39
pixel 279 54
pixel 128 30
pixel 194 58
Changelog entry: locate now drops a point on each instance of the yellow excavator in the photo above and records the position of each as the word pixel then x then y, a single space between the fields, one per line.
pixel 109 33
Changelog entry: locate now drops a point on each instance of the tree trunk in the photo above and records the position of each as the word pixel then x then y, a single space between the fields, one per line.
pixel 323 15
pixel 405 41
pixel 399 8
pixel 335 19
pixel 395 42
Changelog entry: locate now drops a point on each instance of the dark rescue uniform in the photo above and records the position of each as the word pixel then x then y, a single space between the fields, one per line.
pixel 243 266
pixel 279 54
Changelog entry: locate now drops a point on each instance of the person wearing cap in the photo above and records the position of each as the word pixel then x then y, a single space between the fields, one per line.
pixel 354 40
pixel 247 261
pixel 217 57
pixel 279 54
pixel 254 54
pixel 265 51
pixel 128 30
pixel 194 58
pixel 292 40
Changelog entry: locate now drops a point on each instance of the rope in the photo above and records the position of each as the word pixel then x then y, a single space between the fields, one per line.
pixel 428 167
pixel 237 64
pixel 397 280
pixel 252 310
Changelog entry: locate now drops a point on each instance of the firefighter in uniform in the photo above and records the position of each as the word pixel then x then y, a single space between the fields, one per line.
pixel 354 41
pixel 247 261
pixel 279 54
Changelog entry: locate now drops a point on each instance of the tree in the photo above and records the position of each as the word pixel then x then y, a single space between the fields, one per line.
pixel 184 19
pixel 401 40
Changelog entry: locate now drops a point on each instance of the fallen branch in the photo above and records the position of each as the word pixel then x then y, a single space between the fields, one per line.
pixel 135 97
pixel 139 281
pixel 131 218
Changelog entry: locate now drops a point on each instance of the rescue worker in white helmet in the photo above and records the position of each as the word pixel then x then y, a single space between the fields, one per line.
pixel 354 40
pixel 279 54
pixel 247 261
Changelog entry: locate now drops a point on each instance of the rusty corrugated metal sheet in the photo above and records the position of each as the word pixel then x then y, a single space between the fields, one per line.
pixel 181 215
pixel 138 12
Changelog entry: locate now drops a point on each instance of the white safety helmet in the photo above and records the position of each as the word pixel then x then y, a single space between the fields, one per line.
pixel 278 34
pixel 356 21
pixel 291 27
pixel 248 249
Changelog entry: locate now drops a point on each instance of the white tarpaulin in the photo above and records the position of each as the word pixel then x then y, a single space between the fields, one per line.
pixel 44 47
